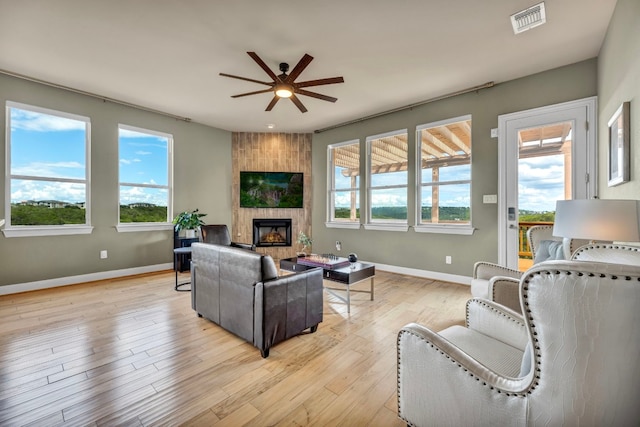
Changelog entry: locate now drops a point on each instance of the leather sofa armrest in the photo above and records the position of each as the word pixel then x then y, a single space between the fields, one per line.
pixel 487 270
pixel 505 291
pixel 248 246
pixel 497 321
pixel 286 306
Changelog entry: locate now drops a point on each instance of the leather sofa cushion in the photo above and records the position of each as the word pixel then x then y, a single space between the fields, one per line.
pixel 269 269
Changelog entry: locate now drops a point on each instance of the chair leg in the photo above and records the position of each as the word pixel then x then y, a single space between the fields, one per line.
pixel 264 353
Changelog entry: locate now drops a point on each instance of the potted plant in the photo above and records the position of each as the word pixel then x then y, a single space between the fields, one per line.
pixel 188 221
pixel 305 241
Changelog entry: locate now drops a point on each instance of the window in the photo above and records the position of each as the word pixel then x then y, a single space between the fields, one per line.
pixel 344 184
pixel 444 176
pixel 388 180
pixel 48 170
pixel 145 175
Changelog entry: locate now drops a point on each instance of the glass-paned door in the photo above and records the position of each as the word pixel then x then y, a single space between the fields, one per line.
pixel 546 154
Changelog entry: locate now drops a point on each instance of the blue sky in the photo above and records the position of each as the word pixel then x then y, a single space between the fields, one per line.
pixel 143 160
pixel 540 184
pixel 44 145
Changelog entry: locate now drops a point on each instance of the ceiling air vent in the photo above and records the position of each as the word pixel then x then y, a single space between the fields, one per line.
pixel 528 18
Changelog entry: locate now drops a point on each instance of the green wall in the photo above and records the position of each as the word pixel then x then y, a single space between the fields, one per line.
pixel 202 179
pixel 619 81
pixel 202 168
pixel 427 251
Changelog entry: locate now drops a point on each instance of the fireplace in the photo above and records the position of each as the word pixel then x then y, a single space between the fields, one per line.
pixel 272 232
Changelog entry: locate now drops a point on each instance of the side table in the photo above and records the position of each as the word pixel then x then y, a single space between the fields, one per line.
pixel 177 252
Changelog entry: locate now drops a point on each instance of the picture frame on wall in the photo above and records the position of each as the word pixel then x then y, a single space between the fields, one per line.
pixel 619 142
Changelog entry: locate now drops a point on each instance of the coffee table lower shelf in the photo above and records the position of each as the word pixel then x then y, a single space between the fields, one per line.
pixel 346 276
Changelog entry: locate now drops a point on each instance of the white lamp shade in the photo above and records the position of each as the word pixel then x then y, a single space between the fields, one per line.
pixel 598 219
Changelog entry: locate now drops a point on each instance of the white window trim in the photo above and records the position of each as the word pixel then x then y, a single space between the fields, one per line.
pixel 46 230
pixel 462 229
pixel 444 229
pixel 382 225
pixel 143 226
pixel 148 226
pixel 347 224
pixel 331 190
pixel 386 226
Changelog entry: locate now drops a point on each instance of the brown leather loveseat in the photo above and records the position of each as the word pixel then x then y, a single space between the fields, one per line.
pixel 240 290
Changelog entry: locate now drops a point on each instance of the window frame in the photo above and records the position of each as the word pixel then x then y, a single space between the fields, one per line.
pixel 384 225
pixel 419 227
pixel 46 230
pixel 332 190
pixel 128 227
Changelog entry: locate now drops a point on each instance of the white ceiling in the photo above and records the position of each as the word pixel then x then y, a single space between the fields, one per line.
pixel 166 55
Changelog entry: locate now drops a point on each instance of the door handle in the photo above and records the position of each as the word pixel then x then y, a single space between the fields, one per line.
pixel 511 226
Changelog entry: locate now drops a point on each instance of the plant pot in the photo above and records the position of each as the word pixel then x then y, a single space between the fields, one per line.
pixel 190 234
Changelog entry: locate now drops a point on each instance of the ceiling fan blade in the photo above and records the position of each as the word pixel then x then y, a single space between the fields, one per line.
pixel 252 93
pixel 272 103
pixel 247 79
pixel 316 95
pixel 320 82
pixel 300 66
pixel 262 65
pixel 299 104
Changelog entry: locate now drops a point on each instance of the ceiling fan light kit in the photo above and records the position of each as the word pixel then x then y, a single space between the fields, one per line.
pixel 284 85
pixel 283 90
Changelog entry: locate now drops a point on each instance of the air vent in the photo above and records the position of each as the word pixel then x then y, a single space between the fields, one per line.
pixel 528 18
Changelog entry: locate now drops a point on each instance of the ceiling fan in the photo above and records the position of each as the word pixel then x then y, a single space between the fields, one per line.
pixel 284 85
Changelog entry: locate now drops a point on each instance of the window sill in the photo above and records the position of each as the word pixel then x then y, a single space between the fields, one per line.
pixel 387 227
pixel 143 226
pixel 46 230
pixel 466 230
pixel 336 224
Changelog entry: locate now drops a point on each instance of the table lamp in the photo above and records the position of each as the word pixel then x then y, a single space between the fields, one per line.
pixel 598 219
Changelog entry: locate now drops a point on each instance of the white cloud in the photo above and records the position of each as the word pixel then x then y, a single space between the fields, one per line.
pixel 43 190
pixel 541 182
pixel 51 169
pixel 143 153
pixel 130 195
pixel 39 122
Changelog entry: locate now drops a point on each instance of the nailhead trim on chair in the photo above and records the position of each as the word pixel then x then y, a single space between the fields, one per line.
pixel 477 378
pixel 478 301
pixel 538 361
pixel 532 324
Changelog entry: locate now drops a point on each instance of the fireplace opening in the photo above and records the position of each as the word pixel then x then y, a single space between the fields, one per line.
pixel 272 232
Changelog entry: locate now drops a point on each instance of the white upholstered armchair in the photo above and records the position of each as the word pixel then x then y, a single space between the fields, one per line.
pixel 496 283
pixel 504 290
pixel 582 367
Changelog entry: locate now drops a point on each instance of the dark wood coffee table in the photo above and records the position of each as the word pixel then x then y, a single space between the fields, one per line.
pixel 346 276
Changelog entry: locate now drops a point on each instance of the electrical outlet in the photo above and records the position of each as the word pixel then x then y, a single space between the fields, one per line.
pixel 103 254
pixel 447 259
pixel 338 245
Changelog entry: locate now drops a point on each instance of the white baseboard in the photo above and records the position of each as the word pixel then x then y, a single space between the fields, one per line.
pixel 445 277
pixel 102 275
pixel 72 280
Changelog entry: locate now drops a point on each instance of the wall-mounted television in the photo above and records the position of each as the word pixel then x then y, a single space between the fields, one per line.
pixel 271 189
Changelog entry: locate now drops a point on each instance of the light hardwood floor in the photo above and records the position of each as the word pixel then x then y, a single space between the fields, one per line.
pixel 132 352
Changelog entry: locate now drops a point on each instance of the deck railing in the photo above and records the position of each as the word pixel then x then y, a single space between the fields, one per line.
pixel 524 251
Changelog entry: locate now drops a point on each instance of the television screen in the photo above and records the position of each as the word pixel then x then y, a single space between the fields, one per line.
pixel 271 189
